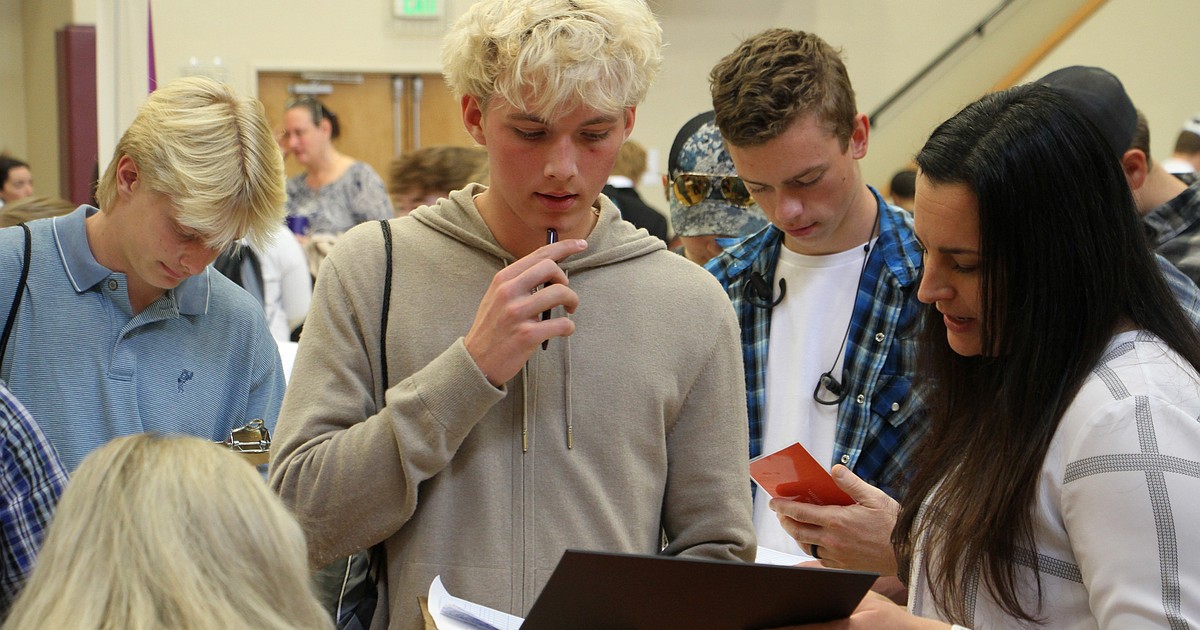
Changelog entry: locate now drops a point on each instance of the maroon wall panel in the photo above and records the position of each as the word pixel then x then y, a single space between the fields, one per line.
pixel 78 138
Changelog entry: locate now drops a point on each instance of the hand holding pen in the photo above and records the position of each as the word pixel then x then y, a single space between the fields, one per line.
pixel 512 319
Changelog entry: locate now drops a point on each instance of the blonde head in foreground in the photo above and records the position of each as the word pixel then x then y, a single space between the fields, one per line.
pixel 169 532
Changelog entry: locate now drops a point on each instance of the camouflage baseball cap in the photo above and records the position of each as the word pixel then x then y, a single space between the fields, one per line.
pixel 699 148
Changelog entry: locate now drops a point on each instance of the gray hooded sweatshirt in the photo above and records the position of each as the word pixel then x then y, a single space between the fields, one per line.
pixel 649 387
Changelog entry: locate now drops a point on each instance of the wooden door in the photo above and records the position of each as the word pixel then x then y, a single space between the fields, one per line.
pixel 376 112
pixel 440 115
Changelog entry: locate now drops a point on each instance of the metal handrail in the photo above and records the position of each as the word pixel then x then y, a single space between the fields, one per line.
pixel 976 31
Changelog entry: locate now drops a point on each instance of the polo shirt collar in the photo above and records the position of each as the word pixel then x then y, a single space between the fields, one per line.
pixel 85 272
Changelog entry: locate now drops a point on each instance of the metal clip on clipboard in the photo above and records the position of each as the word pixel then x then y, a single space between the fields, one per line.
pixel 252 441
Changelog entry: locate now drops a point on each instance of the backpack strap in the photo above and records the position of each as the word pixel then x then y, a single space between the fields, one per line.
pixel 252 275
pixel 240 264
pixel 16 303
pixel 387 299
pixel 377 554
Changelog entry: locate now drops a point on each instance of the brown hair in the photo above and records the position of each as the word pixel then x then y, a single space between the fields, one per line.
pixel 33 207
pixel 1141 137
pixel 774 78
pixel 1187 142
pixel 438 169
pixel 318 111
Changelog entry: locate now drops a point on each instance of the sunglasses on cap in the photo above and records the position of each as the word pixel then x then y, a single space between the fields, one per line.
pixel 692 188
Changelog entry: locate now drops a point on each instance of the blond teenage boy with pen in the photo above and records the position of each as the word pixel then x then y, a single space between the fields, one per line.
pixel 484 457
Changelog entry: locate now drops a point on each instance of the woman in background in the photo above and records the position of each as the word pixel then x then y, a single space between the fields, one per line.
pixel 336 192
pixel 16 180
pixel 169 532
pixel 1057 486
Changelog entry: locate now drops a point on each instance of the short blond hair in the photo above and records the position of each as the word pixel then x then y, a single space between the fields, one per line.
pixel 631 161
pixel 548 56
pixel 212 154
pixel 161 531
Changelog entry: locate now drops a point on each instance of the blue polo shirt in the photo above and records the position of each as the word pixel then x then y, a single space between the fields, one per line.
pixel 199 360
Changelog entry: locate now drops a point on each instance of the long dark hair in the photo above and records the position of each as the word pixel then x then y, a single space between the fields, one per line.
pixel 1063 264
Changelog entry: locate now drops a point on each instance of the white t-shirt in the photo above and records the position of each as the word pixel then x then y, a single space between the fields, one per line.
pixel 287 285
pixel 807 329
pixel 1176 165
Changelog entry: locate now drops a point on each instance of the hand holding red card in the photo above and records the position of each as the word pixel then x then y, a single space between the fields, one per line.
pixel 792 473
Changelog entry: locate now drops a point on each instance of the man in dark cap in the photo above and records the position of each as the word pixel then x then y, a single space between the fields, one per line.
pixel 1169 207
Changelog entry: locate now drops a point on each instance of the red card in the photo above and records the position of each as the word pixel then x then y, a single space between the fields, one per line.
pixel 792 473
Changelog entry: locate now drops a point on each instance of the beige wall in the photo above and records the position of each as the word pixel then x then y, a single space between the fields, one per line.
pixel 885 42
pixel 1019 29
pixel 29 83
pixel 356 35
pixel 40 19
pixel 362 36
pixel 1152 47
pixel 12 80
pixel 28 114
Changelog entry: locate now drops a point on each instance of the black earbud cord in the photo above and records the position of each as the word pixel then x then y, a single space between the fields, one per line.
pixel 758 294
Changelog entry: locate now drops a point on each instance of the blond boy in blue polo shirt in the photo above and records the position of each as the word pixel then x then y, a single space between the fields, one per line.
pixel 123 326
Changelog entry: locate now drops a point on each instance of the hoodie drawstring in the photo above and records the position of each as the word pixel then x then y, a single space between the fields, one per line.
pixel 567 392
pixel 525 408
pixel 567 405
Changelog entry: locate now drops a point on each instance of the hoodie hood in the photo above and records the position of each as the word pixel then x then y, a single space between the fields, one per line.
pixel 613 239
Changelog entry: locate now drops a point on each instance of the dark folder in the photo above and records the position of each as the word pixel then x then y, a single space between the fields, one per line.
pixel 627 591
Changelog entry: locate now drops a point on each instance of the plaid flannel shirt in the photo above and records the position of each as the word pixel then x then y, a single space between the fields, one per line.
pixel 880 420
pixel 31 481
pixel 1175 231
pixel 1185 291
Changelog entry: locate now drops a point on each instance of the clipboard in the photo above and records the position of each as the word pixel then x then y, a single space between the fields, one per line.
pixel 591 589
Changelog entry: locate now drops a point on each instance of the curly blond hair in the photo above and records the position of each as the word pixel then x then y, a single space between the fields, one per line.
pixel 548 56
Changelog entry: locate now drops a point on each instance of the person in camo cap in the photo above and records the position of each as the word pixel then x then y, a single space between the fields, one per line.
pixel 710 206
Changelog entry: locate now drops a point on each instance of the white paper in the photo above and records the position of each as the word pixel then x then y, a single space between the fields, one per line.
pixel 452 613
pixel 771 556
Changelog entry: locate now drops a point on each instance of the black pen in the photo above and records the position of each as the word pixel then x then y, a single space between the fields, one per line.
pixel 551 238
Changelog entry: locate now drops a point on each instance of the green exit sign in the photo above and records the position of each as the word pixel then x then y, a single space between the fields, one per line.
pixel 417 9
